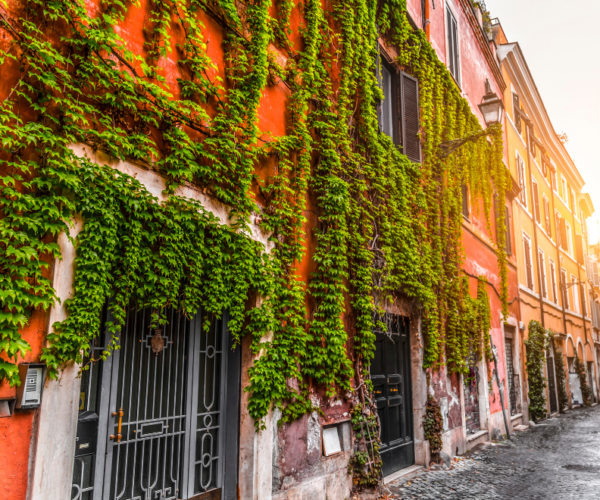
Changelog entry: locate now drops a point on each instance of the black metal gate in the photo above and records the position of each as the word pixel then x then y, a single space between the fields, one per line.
pixel 551 384
pixel 510 376
pixel 471 383
pixel 167 426
pixel 391 377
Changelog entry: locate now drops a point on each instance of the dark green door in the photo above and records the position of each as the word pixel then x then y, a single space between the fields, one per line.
pixel 390 373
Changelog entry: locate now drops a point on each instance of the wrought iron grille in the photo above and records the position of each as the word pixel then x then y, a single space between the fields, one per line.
pixel 147 459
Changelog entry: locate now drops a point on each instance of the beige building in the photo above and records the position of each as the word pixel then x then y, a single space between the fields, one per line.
pixel 548 225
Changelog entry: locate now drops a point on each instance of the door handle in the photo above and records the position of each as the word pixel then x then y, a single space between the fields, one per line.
pixel 120 414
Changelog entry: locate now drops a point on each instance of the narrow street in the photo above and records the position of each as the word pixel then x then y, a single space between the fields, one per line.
pixel 558 459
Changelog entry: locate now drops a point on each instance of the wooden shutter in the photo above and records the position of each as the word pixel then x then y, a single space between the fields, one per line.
pixel 517 111
pixel 579 249
pixel 564 242
pixel 536 203
pixel 565 292
pixel 528 264
pixel 553 280
pixel 596 274
pixel 542 274
pixel 411 142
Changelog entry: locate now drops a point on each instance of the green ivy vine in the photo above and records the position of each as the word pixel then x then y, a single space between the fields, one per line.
pixel 386 227
pixel 586 392
pixel 535 345
pixel 561 375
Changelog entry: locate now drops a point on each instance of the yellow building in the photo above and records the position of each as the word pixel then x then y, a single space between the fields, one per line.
pixel 548 224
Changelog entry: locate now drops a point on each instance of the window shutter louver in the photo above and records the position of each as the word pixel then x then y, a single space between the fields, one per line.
pixel 411 142
pixel 517 112
pixel 543 274
pixel 596 274
pixel 564 242
pixel 536 203
pixel 565 293
pixel 579 249
pixel 528 266
pixel 553 280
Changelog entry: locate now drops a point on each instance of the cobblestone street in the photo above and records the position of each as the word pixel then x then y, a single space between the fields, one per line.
pixel 558 459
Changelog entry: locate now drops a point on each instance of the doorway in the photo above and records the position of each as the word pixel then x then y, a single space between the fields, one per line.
pixel 165 413
pixel 391 377
pixel 551 382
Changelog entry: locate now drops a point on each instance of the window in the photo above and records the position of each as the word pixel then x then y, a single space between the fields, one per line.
pixel 547 217
pixel 536 203
pixel 572 202
pixel 553 181
pixel 532 143
pixel 465 200
pixel 569 240
pixel 583 300
pixel 517 113
pixel 553 281
pixel 579 244
pixel 560 231
pixel 522 181
pixel 542 264
pixel 565 194
pixel 563 282
pixel 385 109
pixel 574 287
pixel 409 119
pixel 404 130
pixel 453 52
pixel 507 224
pixel 528 262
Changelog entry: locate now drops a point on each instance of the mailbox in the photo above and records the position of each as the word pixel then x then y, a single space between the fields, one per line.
pixel 29 393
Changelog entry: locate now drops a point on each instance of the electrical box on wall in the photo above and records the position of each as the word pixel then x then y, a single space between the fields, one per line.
pixel 29 393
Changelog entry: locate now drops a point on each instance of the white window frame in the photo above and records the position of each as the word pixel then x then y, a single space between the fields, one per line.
pixel 553 281
pixel 572 205
pixel 564 289
pixel 569 238
pixel 547 221
pixel 457 77
pixel 565 190
pixel 542 264
pixel 528 239
pixel 553 181
pixel 521 170
pixel 575 294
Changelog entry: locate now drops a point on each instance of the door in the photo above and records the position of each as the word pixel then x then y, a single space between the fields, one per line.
pixel 551 384
pixel 391 377
pixel 510 376
pixel 471 383
pixel 167 425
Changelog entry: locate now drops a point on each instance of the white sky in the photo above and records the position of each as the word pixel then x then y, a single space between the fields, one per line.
pixel 560 42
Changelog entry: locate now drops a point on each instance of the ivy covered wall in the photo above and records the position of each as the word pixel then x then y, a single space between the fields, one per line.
pixel 271 110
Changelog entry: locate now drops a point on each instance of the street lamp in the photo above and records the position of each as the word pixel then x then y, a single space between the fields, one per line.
pixel 491 106
pixel 492 109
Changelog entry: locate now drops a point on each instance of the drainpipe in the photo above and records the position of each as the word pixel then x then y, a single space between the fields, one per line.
pixel 562 294
pixel 426 21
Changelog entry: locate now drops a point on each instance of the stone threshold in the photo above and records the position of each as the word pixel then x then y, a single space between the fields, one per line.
pixel 477 435
pixel 401 473
pixel 518 415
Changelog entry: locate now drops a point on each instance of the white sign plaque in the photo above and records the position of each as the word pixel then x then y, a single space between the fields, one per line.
pixel 331 441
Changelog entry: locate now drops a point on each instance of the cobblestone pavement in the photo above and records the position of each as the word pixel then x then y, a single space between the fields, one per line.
pixel 557 459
